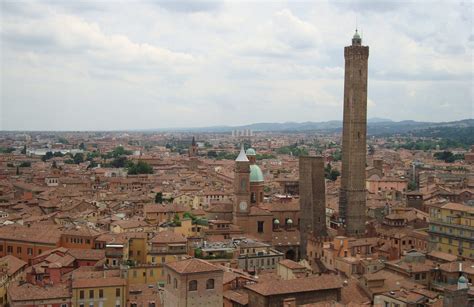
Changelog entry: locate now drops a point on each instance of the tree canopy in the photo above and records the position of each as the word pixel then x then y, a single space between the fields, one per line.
pixel 139 168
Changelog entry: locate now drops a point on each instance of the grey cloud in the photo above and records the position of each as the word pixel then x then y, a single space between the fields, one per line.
pixel 188 6
pixel 367 6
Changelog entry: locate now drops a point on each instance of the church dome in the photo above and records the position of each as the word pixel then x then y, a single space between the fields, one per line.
pixel 463 282
pixel 251 152
pixel 256 174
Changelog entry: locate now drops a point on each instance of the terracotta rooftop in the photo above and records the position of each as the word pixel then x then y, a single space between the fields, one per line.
pixel 313 283
pixel 38 234
pixel 168 236
pixel 98 282
pixel 238 296
pixel 193 265
pixel 28 292
pixel 13 264
pixel 291 264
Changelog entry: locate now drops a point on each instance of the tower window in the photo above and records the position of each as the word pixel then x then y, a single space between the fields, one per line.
pixel 260 226
pixel 243 185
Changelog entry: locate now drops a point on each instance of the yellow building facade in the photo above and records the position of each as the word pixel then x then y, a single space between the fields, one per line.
pixel 451 229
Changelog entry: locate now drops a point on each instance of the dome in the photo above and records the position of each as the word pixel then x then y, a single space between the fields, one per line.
pixel 256 174
pixel 251 152
pixel 463 282
pixel 276 221
pixel 463 279
pixel 356 35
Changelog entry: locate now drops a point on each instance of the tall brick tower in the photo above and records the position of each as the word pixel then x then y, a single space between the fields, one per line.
pixel 312 200
pixel 241 189
pixel 352 198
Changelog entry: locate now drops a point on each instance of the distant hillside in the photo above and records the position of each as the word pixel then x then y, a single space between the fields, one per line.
pixel 376 126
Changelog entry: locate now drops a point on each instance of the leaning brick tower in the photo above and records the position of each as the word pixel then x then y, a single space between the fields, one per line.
pixel 352 198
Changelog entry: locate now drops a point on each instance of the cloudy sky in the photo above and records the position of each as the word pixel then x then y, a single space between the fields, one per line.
pixel 104 65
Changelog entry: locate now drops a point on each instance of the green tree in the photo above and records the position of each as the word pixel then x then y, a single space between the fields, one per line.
pixel 119 162
pixel 47 156
pixel 212 154
pixel 140 167
pixel 63 140
pixel 78 158
pixel 23 151
pixel 82 146
pixel 337 155
pixel 25 164
pixel 412 186
pixel 334 174
pixel 159 198
pixel 176 220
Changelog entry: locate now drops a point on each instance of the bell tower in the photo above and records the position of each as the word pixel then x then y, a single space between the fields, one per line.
pixel 241 188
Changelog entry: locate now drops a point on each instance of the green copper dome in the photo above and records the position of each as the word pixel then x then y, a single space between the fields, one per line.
pixel 250 152
pixel 256 174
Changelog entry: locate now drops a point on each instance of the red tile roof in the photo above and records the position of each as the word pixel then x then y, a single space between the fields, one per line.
pixel 193 265
pixel 313 283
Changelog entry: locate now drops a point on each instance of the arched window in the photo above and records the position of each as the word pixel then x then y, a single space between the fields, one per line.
pixel 175 283
pixel 169 279
pixel 193 285
pixel 210 284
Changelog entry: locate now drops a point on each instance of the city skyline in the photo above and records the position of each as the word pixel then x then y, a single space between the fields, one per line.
pixel 143 65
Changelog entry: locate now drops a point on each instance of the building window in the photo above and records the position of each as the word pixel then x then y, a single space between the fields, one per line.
pixel 91 293
pixel 18 250
pixel 101 293
pixel 210 284
pixel 81 294
pixel 117 292
pixel 260 226
pixel 10 249
pixel 169 279
pixel 193 285
pixel 29 251
pixel 175 283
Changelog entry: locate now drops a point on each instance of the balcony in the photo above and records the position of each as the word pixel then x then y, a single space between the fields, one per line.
pixel 451 223
pixel 465 237
pixel 114 254
pixel 167 251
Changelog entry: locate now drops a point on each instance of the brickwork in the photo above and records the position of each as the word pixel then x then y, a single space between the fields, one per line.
pixel 354 147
